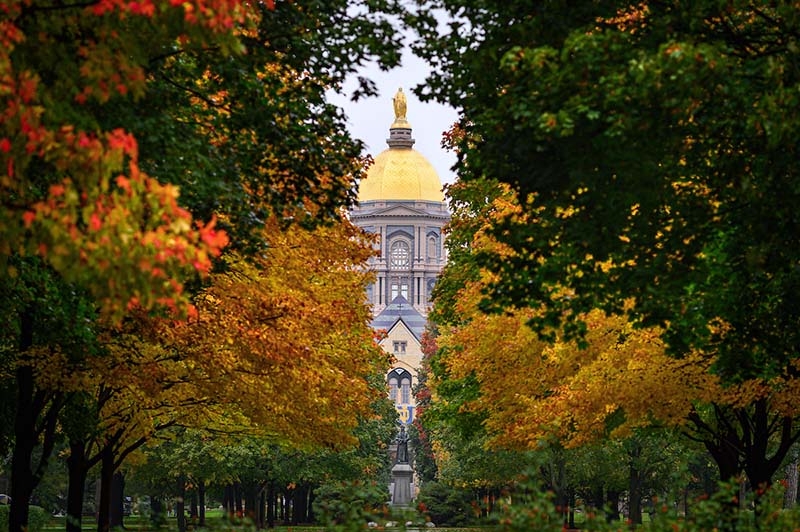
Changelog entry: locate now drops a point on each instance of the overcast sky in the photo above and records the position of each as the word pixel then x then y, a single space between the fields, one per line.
pixel 369 118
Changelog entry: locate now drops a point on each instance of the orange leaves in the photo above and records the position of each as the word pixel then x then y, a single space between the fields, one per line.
pixel 289 332
pixel 531 391
pixel 215 240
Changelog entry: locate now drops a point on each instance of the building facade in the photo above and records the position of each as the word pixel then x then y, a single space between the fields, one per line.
pixel 401 201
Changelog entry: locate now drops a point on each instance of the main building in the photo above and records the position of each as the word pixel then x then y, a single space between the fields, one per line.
pixel 401 201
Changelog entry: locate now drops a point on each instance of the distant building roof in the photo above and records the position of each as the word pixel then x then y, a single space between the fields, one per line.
pixel 400 309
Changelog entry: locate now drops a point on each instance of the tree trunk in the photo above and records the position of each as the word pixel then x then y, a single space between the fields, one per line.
pixel 106 479
pixel 201 496
pixel 77 468
pixel 180 505
pixel 635 496
pixel 227 499
pixel 22 482
pixel 237 499
pixel 571 523
pixel 597 498
pixel 262 506
pixel 250 497
pixel 790 496
pixel 271 503
pixel 612 508
pixel 157 513
pixel 117 500
pixel 311 496
pixel 300 504
pixel 193 506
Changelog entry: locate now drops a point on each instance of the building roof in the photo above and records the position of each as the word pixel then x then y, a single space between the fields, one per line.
pixel 400 310
pixel 400 173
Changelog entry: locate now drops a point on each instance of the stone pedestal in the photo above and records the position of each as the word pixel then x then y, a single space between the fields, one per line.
pixel 402 475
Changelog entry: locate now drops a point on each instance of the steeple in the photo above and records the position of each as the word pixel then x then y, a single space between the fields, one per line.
pixel 400 130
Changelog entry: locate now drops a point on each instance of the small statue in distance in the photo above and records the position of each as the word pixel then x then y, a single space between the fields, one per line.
pixel 400 105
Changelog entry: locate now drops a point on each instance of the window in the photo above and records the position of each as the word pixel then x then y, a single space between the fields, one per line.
pixel 400 255
pixel 405 392
pixel 399 288
pixel 399 381
pixel 431 284
pixel 399 347
pixel 432 254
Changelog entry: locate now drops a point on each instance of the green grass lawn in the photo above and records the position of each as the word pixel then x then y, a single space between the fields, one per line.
pixel 137 523
pixel 214 521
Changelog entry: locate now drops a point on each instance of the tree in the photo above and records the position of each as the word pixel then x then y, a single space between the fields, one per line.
pixel 280 337
pixel 652 148
pixel 109 106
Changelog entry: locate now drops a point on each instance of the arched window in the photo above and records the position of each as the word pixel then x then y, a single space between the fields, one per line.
pixel 399 255
pixel 431 285
pixel 432 247
pixel 399 381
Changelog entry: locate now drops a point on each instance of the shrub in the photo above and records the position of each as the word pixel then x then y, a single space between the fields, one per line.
pixel 446 505
pixel 37 518
pixel 534 510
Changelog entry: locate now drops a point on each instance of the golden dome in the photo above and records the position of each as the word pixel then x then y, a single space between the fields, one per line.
pixel 400 173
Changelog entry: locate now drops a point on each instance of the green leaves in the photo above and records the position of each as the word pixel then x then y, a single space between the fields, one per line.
pixel 654 125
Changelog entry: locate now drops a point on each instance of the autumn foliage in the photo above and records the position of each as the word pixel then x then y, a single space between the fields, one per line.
pixel 619 378
pixel 159 201
pixel 284 338
pixel 76 196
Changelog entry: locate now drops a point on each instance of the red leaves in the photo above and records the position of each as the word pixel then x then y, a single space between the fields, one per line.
pixel 5 145
pixel 142 7
pixel 215 240
pixel 213 14
pixel 118 139
pixel 94 222
pixel 28 217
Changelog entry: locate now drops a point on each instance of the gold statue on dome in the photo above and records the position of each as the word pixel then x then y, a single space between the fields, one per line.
pixel 400 106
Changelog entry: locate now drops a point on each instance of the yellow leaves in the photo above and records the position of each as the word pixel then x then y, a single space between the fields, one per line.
pixel 629 19
pixel 287 333
pixel 566 212
pixel 533 391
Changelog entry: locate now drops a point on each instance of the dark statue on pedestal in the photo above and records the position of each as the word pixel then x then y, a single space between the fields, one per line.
pixel 402 474
pixel 402 447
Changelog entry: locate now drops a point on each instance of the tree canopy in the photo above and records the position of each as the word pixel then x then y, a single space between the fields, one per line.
pixel 157 159
pixel 652 148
